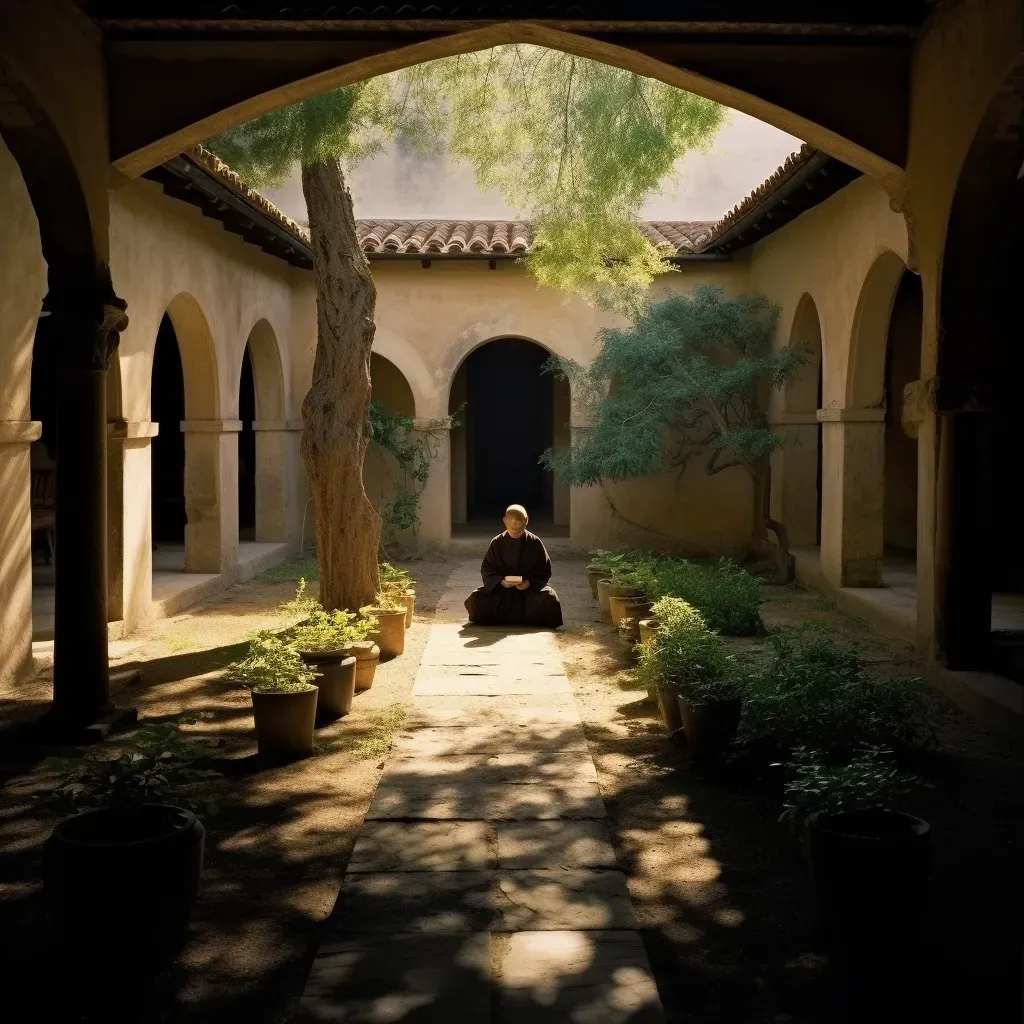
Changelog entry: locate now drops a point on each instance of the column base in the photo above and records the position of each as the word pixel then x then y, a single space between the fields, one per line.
pixel 54 728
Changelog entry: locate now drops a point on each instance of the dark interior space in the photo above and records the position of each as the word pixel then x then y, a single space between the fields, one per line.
pixel 509 422
pixel 247 452
pixel 168 451
pixel 44 451
pixel 821 457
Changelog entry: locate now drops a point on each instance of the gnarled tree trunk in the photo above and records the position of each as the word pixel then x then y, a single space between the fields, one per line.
pixel 335 413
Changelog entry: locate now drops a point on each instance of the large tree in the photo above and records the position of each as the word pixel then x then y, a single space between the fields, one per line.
pixel 575 145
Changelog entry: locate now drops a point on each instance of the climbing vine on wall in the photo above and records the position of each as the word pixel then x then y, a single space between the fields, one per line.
pixel 412 450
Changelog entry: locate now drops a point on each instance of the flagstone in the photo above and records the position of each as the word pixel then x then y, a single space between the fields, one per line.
pixel 553 844
pixel 424 846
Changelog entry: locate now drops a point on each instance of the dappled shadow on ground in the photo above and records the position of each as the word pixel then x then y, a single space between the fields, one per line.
pixel 722 893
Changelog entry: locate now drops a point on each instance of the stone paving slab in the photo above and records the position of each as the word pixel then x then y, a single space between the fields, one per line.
pixel 432 979
pixel 488 739
pixel 424 846
pixel 577 977
pixel 553 844
pixel 488 686
pixel 449 902
pixel 517 709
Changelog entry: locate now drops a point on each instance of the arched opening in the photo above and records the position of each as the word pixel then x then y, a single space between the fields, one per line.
pixel 247 451
pixel 979 544
pixel 167 452
pixel 383 478
pixel 797 465
pixel 509 413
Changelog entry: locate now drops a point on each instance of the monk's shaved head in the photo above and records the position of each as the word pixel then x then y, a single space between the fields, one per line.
pixel 519 511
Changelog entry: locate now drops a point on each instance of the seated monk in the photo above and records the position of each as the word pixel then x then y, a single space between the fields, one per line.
pixel 515 571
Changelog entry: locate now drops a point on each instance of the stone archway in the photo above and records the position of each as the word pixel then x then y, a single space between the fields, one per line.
pixel 265 457
pixel 500 383
pixel 194 496
pixel 796 467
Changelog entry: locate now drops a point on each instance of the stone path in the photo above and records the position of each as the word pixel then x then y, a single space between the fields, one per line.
pixel 483 888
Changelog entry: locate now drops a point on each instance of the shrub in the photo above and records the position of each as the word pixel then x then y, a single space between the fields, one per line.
pixel 687 655
pixel 301 604
pixel 157 767
pixel 272 665
pixel 330 631
pixel 868 781
pixel 724 593
pixel 813 693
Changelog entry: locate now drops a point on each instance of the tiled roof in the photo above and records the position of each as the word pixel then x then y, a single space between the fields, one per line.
pixel 499 237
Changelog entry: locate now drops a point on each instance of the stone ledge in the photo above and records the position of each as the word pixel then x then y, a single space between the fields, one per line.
pixel 851 415
pixel 130 430
pixel 20 431
pixel 210 426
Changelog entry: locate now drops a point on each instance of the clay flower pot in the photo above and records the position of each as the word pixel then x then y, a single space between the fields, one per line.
pixel 602 596
pixel 593 575
pixel 390 633
pixel 121 882
pixel 614 590
pixel 336 682
pixel 668 705
pixel 632 607
pixel 285 722
pixel 367 654
pixel 648 629
pixel 709 727
pixel 409 597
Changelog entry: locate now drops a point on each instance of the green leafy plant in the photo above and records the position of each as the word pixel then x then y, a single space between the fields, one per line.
pixel 301 604
pixel 870 780
pixel 272 665
pixel 331 630
pixel 158 766
pixel 814 693
pixel 383 725
pixel 687 655
pixel 724 593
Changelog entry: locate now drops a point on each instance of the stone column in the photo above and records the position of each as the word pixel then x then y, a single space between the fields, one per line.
pixel 129 520
pixel 16 437
pixel 853 496
pixel 278 464
pixel 211 494
pixel 435 532
pixel 794 497
pixel 87 321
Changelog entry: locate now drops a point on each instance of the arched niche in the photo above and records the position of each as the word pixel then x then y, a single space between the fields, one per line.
pixel 198 357
pixel 508 411
pixel 797 465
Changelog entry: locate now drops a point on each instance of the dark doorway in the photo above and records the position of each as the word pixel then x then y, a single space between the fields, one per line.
pixel 247 452
pixel 821 457
pixel 509 422
pixel 168 449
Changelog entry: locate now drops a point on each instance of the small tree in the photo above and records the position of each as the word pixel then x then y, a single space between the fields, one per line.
pixel 686 380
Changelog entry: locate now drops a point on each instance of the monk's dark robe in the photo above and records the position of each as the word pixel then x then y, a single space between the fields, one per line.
pixel 495 605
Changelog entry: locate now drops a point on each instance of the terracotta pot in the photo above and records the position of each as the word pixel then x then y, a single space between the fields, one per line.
pixel 648 629
pixel 390 632
pixel 871 872
pixel 668 705
pixel 602 596
pixel 635 608
pixel 409 597
pixel 615 590
pixel 593 575
pixel 709 727
pixel 367 654
pixel 121 881
pixel 285 722
pixel 336 682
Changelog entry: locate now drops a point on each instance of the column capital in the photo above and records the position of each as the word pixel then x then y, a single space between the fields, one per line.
pixel 20 431
pixel 210 426
pixel 833 415
pixel 88 318
pixel 280 426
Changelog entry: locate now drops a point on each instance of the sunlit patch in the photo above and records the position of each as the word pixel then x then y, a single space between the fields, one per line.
pixel 728 917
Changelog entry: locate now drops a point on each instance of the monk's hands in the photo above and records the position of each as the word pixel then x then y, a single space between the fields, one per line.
pixel 522 586
pixel 506 584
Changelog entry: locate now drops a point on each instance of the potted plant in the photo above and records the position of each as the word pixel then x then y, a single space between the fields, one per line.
pixel 322 641
pixel 389 611
pixel 398 583
pixel 693 661
pixel 283 695
pixel 870 863
pixel 121 874
pixel 648 628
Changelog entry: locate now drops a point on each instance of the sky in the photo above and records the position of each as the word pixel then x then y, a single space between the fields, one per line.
pixel 397 185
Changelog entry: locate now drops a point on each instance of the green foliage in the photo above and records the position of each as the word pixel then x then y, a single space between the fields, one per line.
pixel 813 693
pixel 870 780
pixel 395 575
pixel 577 144
pixel 157 767
pixel 301 604
pixel 686 380
pixel 272 665
pixel 297 569
pixel 412 450
pixel 331 630
pixel 611 562
pixel 725 594
pixel 377 741
pixel 687 655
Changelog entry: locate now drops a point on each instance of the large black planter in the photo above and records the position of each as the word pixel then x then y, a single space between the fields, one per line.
pixel 120 883
pixel 871 872
pixel 709 727
pixel 336 683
